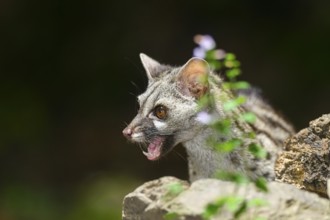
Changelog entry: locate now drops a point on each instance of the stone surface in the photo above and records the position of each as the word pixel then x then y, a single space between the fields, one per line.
pixel 329 188
pixel 305 161
pixel 147 200
pixel 153 200
pixel 304 164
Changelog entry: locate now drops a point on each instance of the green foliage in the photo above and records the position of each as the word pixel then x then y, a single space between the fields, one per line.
pixel 171 216
pixel 228 146
pixel 261 184
pixel 257 151
pixel 248 117
pixel 175 189
pixel 233 204
pixel 205 101
pixel 223 126
pixel 231 106
pixel 260 218
pixel 232 73
pixel 237 178
pixel 241 209
pixel 215 64
pixel 256 202
pixel 236 85
pixel 230 57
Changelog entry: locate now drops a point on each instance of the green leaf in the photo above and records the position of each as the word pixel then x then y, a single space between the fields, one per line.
pixel 236 63
pixel 171 216
pixel 232 73
pixel 223 126
pixel 261 184
pixel 236 85
pixel 257 202
pixel 250 135
pixel 212 208
pixel 233 203
pixel 230 56
pixel 205 101
pixel 215 65
pixel 241 209
pixel 175 188
pixel 257 151
pixel 228 146
pixel 238 178
pixel 232 104
pixel 239 85
pixel 229 64
pixel 260 218
pixel 210 55
pixel 249 117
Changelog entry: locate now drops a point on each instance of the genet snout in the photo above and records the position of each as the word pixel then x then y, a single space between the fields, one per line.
pixel 127 132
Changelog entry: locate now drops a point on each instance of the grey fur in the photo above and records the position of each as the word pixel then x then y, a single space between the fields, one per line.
pixel 181 126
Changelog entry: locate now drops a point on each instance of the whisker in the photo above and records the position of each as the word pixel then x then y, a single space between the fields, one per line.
pixel 136 86
pixel 131 93
pixel 142 146
pixel 180 155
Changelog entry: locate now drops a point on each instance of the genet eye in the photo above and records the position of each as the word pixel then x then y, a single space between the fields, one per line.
pixel 160 112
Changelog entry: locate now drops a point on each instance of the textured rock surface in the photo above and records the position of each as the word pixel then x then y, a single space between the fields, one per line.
pixel 147 200
pixel 153 200
pixel 305 161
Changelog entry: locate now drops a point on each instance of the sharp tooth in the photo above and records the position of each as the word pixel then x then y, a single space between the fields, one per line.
pixel 145 153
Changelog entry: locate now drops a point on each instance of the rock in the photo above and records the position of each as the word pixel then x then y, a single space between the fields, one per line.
pixel 155 199
pixel 305 161
pixel 329 188
pixel 303 164
pixel 146 200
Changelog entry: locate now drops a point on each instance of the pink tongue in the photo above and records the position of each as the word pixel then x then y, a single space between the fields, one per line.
pixel 154 148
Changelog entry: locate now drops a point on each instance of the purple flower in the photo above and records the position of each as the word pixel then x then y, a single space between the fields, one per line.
pixel 204 118
pixel 206 42
pixel 219 54
pixel 199 52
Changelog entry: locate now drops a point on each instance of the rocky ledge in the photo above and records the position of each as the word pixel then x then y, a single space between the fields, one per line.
pixel 155 200
pixel 305 161
pixel 302 175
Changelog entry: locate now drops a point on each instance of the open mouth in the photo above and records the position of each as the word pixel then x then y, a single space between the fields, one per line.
pixel 154 149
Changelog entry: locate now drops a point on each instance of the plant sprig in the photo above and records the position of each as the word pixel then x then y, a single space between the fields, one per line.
pixel 231 67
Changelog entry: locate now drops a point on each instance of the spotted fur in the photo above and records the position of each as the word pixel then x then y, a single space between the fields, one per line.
pixel 179 89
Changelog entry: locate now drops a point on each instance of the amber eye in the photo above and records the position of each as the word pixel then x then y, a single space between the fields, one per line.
pixel 160 111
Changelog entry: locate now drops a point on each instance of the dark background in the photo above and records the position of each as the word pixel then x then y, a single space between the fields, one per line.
pixel 66 90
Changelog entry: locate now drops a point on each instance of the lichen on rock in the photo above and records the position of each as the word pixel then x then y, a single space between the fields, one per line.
pixel 305 161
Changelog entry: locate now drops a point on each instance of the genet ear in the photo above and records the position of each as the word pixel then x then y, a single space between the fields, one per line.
pixel 192 78
pixel 150 65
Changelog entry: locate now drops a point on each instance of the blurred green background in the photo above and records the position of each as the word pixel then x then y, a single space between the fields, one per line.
pixel 70 72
